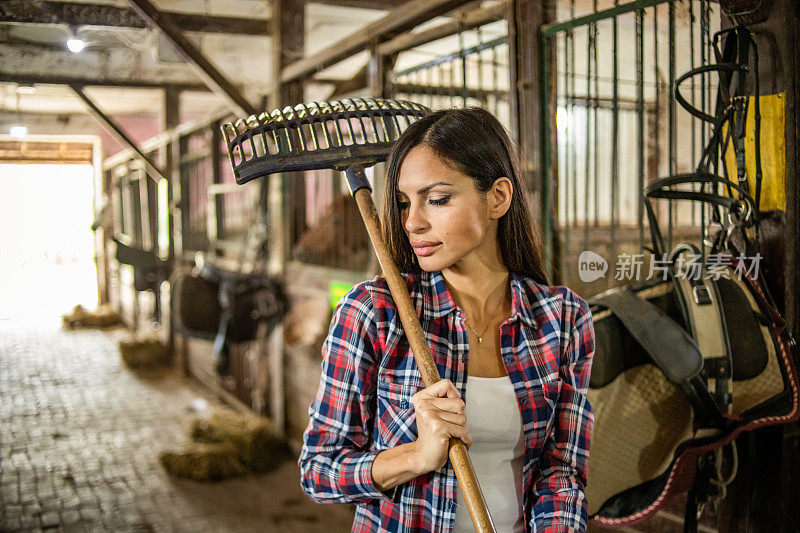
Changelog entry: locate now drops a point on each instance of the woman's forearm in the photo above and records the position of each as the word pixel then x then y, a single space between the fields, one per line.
pixel 395 466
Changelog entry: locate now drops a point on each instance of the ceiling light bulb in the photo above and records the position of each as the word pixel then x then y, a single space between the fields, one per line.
pixel 25 89
pixel 75 45
pixel 18 131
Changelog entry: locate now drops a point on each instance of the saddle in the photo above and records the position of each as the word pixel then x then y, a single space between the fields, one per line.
pixel 679 369
pixel 225 307
pixel 685 363
pixel 149 271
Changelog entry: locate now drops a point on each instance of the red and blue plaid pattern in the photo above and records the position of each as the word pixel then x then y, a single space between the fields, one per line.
pixel 363 404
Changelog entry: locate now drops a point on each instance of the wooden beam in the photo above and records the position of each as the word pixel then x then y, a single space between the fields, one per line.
pixel 23 151
pixel 385 5
pixel 467 21
pixel 76 14
pixel 400 19
pixel 212 77
pixel 30 79
pixel 356 83
pixel 117 132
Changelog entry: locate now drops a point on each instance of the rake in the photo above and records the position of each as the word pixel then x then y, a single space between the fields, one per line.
pixel 350 135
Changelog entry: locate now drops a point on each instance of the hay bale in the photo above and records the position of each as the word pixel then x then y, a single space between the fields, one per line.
pixel 259 446
pixel 204 462
pixel 147 352
pixel 80 317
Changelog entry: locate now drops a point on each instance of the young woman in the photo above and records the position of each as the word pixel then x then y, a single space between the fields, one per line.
pixel 513 352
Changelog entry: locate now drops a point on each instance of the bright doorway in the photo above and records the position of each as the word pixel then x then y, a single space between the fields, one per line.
pixel 46 244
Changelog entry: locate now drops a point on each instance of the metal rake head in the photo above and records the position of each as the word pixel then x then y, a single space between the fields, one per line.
pixel 337 134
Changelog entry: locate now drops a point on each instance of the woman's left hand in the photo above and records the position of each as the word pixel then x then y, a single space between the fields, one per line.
pixel 440 414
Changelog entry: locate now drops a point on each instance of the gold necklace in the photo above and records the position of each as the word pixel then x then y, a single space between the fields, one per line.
pixel 480 337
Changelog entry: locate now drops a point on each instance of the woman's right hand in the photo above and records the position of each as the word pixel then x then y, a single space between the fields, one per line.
pixel 440 415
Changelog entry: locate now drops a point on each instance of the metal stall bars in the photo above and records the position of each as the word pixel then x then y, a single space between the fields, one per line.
pixel 473 70
pixel 201 170
pixel 142 265
pixel 615 119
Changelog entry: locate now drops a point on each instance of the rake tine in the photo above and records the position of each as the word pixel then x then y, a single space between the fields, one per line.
pixel 282 134
pixel 338 131
pixel 353 138
pixel 373 117
pixel 321 123
pixel 373 107
pixel 360 116
pixel 313 123
pixel 397 129
pixel 311 113
pixel 301 112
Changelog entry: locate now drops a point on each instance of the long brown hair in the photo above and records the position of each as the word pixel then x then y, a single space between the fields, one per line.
pixel 472 141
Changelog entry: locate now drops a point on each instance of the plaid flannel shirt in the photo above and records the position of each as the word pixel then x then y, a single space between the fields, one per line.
pixel 363 404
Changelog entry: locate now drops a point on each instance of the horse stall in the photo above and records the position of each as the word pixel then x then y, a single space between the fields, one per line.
pixel 654 120
pixel 241 280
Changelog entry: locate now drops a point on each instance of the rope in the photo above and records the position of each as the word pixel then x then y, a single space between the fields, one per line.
pixel 717 480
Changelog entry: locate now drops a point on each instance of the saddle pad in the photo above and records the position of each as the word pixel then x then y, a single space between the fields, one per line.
pixel 195 306
pixel 644 423
pixel 753 349
pixel 640 420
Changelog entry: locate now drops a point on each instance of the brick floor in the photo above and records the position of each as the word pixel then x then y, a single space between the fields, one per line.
pixel 79 438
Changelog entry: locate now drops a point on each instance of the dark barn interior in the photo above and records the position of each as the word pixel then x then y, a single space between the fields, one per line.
pixel 162 325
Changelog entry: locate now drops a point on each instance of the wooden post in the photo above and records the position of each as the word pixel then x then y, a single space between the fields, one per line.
pixel 792 138
pixel 288 41
pixel 525 17
pixel 103 258
pixel 791 441
pixel 216 177
pixel 288 29
pixel 171 120
pixel 764 495
pixel 378 68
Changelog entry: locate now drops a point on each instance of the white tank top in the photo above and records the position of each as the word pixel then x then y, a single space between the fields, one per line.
pixel 498 446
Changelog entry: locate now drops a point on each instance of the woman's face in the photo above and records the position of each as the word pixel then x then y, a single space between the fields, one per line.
pixel 447 221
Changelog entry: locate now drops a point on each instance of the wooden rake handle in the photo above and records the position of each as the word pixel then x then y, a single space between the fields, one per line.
pixel 476 505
